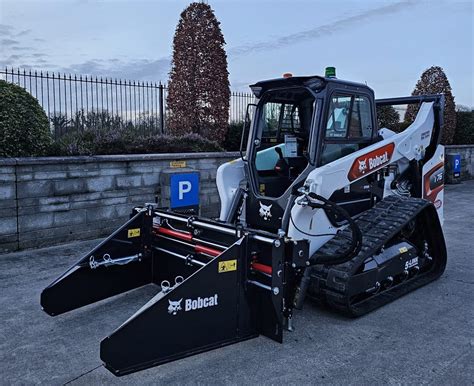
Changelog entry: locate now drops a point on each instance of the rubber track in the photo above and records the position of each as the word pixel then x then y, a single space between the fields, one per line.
pixel 330 283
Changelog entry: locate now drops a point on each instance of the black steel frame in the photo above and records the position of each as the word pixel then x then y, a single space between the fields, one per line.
pixel 251 300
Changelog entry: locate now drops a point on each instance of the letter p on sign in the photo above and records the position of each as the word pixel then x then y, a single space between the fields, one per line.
pixel 184 190
pixel 183 187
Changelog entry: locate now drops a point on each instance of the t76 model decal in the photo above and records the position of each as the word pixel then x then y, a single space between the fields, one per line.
pixel 367 163
pixel 434 183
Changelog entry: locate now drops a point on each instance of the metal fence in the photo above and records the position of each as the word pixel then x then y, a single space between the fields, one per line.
pixel 238 105
pixel 75 102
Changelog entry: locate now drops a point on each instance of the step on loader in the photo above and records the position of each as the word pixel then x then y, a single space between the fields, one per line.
pixel 322 205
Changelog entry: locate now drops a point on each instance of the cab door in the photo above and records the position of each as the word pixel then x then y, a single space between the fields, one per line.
pixel 350 127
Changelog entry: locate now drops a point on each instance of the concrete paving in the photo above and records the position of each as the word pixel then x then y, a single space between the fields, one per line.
pixel 426 337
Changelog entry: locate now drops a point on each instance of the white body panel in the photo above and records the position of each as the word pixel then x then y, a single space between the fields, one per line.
pixel 228 178
pixel 327 179
pixel 312 224
pixel 434 170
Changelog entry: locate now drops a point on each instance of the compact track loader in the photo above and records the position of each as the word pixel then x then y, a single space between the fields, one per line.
pixel 322 204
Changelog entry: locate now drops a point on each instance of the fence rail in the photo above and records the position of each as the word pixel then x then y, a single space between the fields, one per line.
pixel 74 102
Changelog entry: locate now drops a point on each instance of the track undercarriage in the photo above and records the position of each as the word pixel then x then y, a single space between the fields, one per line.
pixel 403 248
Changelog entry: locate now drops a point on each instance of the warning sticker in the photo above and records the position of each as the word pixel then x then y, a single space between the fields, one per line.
pixel 133 232
pixel 177 164
pixel 227 266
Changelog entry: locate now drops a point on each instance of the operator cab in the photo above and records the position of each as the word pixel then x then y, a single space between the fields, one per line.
pixel 302 123
pixel 284 127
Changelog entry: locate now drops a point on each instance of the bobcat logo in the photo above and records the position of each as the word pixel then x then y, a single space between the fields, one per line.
pixel 265 211
pixel 174 307
pixel 362 165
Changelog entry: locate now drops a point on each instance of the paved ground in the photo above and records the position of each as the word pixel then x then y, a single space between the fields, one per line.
pixel 427 337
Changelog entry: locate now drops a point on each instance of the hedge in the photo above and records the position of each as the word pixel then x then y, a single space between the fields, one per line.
pixel 24 126
pixel 93 142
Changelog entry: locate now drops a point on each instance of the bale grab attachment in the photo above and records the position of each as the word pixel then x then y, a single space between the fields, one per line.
pixel 226 282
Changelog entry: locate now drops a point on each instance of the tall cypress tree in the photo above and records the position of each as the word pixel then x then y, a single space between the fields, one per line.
pixel 434 81
pixel 198 95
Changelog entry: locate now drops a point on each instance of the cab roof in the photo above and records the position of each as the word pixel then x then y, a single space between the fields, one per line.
pixel 314 82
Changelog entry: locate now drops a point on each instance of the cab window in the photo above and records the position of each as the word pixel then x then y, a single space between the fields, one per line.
pixel 283 131
pixel 361 120
pixel 270 119
pixel 278 120
pixel 348 128
pixel 338 117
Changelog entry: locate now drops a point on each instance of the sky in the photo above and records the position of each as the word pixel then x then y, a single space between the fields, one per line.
pixel 387 44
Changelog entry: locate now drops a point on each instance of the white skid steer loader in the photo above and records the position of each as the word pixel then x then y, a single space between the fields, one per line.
pixel 322 205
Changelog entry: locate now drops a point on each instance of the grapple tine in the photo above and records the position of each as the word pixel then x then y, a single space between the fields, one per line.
pixel 118 264
pixel 199 314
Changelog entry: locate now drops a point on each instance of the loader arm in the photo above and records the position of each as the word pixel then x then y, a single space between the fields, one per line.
pixel 399 149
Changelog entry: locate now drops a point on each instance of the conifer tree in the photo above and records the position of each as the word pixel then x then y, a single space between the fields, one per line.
pixel 434 81
pixel 198 95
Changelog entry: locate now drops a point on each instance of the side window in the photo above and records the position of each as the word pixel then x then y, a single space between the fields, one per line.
pixel 271 118
pixel 290 119
pixel 280 119
pixel 349 118
pixel 338 117
pixel 361 122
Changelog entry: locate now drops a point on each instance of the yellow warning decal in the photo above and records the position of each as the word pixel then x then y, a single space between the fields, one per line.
pixel 133 232
pixel 403 249
pixel 177 164
pixel 227 266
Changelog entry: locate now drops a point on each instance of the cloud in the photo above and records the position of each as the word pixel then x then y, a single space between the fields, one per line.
pixel 141 69
pixel 20 48
pixel 9 42
pixel 239 85
pixel 320 31
pixel 23 33
pixel 6 29
pixel 27 61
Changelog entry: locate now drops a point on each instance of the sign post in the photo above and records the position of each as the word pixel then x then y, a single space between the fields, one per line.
pixel 180 190
pixel 457 165
pixel 184 190
pixel 453 164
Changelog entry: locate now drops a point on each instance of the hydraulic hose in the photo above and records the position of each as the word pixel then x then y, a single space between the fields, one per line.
pixel 356 235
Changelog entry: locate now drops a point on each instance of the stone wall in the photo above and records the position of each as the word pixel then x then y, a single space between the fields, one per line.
pixel 46 201
pixel 467 159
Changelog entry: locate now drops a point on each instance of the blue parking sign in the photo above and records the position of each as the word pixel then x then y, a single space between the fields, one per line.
pixel 457 163
pixel 184 190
